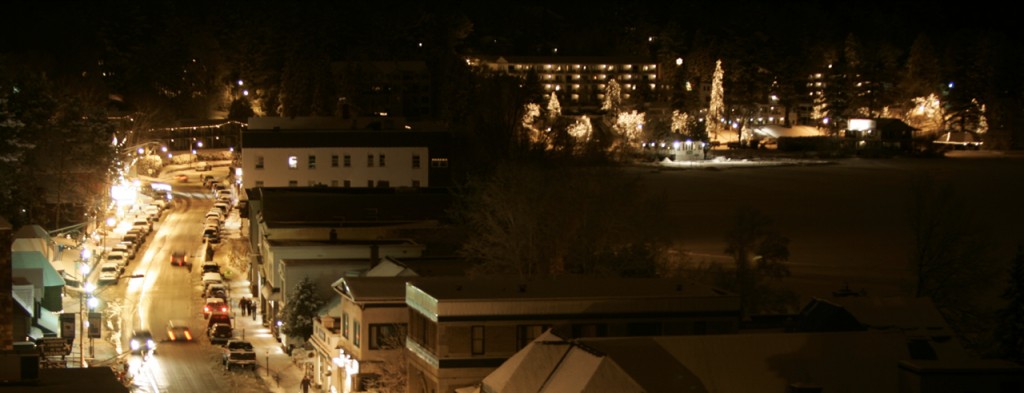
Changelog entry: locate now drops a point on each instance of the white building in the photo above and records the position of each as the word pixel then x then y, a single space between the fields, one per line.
pixel 306 152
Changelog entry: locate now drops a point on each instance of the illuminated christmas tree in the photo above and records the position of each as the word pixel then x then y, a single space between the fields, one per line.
pixel 554 108
pixel 717 107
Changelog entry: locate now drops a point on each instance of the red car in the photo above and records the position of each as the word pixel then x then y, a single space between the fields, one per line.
pixel 182 178
pixel 178 258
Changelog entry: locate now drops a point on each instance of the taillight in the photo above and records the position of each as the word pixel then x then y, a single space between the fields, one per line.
pixel 206 309
pixel 171 335
pixel 188 336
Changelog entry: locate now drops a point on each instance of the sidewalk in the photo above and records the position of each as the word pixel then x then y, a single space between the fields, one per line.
pixel 284 374
pixel 268 350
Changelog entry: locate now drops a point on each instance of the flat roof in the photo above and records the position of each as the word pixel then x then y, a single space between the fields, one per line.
pixel 464 288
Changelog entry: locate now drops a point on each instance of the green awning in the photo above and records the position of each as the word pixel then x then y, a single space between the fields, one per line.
pixel 36 260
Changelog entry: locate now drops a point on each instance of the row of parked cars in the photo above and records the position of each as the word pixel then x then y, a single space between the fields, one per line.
pixel 121 254
pixel 220 326
pixel 217 215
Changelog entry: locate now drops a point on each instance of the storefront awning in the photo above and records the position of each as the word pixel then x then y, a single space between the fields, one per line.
pixel 270 293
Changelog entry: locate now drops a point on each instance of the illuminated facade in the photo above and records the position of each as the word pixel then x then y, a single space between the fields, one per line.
pixel 580 81
pixel 314 152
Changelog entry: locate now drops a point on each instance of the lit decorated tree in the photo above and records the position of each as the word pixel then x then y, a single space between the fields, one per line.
pixel 612 97
pixel 717 107
pixel 554 108
pixel 630 127
pixel 927 114
pixel 680 122
pixel 581 129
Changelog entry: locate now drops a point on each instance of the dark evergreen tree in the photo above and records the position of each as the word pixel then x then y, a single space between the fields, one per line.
pixel 302 306
pixel 760 253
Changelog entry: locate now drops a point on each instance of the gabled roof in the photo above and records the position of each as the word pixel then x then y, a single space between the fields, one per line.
pixel 369 289
pixel 849 362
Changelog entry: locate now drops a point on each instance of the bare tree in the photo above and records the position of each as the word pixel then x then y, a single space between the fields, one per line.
pixel 952 258
pixel 392 371
pixel 760 253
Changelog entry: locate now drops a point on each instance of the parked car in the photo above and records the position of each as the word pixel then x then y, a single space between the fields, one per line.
pixel 239 353
pixel 178 330
pixel 214 305
pixel 127 248
pixel 217 291
pixel 210 267
pixel 219 333
pixel 119 258
pixel 109 273
pixel 218 318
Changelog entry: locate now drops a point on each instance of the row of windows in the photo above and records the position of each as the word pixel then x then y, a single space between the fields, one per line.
pixel 293 161
pixel 344 183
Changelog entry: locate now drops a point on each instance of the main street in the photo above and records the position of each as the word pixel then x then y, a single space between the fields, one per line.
pixel 165 292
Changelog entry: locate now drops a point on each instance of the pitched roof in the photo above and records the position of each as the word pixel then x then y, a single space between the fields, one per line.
pixel 841 362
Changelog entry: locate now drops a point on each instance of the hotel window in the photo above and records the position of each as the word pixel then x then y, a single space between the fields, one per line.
pixel 576 77
pixel 344 324
pixel 387 336
pixel 293 183
pixel 348 161
pixel 293 162
pixel 575 97
pixel 438 162
pixel 369 160
pixel 334 161
pixel 415 161
pixel 380 160
pixel 627 67
pixel 259 183
pixel 347 184
pixel 312 162
pixel 259 162
pixel 478 340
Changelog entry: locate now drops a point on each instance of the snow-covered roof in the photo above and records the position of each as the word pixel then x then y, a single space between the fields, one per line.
pixel 36 260
pixel 777 131
pixel 958 138
pixel 847 361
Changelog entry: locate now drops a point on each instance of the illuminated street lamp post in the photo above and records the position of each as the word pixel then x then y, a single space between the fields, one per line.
pixel 88 287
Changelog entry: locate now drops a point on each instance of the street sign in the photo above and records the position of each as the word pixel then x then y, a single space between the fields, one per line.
pixel 67 325
pixel 95 322
pixel 54 346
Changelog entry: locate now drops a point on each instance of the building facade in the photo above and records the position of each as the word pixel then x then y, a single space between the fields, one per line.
pixel 319 152
pixel 461 329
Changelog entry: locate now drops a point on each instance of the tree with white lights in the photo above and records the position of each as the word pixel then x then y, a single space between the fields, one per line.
pixel 717 107
pixel 680 122
pixel 630 126
pixel 926 115
pixel 581 129
pixel 612 97
pixel 554 108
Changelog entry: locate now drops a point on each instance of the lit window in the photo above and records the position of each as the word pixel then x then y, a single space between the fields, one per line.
pixel 334 161
pixel 438 162
pixel 355 333
pixel 344 317
pixel 259 162
pixel 575 97
pixel 293 162
pixel 627 67
pixel 312 162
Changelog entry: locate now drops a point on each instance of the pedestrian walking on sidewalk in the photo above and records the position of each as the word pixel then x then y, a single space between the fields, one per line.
pixel 243 304
pixel 252 309
pixel 305 384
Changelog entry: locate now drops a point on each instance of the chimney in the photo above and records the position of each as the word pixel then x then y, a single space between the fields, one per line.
pixel 6 286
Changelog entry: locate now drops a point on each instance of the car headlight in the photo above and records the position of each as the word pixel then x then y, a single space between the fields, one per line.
pixel 135 345
pixel 151 344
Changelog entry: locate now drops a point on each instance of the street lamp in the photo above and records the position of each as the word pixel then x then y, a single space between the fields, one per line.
pixel 88 287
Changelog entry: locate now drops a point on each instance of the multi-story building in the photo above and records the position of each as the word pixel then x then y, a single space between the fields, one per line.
pixel 579 81
pixel 309 152
pixel 461 329
pixel 361 341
